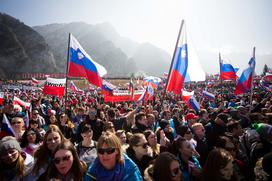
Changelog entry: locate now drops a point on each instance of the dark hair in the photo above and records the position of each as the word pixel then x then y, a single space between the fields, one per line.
pixel 85 128
pixel 217 159
pixel 24 141
pixel 232 124
pixel 111 113
pixel 161 169
pixel 178 144
pixel 78 168
pixel 139 116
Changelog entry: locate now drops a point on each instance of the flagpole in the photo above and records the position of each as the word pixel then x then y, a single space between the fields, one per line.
pixel 253 73
pixel 67 65
pixel 173 57
pixel 221 81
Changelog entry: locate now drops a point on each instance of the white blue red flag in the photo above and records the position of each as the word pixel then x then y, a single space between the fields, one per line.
pixel 227 71
pixel 154 81
pixel 6 126
pixel 208 95
pixel 80 64
pixel 245 81
pixel 179 64
pixel 190 100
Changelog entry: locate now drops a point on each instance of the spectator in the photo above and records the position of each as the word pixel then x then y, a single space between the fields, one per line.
pixel 111 163
pixel 219 166
pixel 14 164
pixel 31 141
pixel 139 151
pixel 87 148
pixel 66 164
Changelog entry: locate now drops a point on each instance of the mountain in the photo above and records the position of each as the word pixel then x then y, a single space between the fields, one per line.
pixel 43 49
pixel 22 49
pixel 120 55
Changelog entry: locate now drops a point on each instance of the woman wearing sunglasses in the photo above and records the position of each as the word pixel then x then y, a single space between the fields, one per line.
pixel 66 164
pixel 190 167
pixel 139 151
pixel 111 163
pixel 166 167
pixel 43 155
pixel 31 140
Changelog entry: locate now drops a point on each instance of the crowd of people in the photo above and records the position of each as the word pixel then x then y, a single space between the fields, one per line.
pixel 229 138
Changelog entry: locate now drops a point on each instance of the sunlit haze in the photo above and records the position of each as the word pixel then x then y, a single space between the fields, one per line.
pixel 229 26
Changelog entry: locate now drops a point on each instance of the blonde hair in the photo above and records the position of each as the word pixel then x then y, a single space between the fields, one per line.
pixel 111 140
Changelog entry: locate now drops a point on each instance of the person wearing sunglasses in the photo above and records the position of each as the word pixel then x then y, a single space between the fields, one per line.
pixel 112 163
pixel 18 126
pixel 139 151
pixel 43 155
pixel 66 164
pixel 36 125
pixel 166 167
pixel 31 140
pixel 189 164
pixel 14 164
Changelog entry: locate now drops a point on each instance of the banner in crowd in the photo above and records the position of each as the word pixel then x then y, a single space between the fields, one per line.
pixel 124 95
pixel 54 87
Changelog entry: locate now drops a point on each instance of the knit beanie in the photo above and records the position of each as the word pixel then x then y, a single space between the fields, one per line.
pixel 7 143
pixel 264 130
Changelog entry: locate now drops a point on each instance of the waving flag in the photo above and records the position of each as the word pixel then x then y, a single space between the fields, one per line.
pixel 154 81
pixel 245 81
pixel 34 81
pixel 6 126
pixel 107 87
pixel 150 90
pixel 190 100
pixel 179 65
pixel 227 72
pixel 208 95
pixel 80 64
pixel 20 102
pixel 142 97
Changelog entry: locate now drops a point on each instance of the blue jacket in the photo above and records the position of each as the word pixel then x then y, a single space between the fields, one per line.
pixel 127 171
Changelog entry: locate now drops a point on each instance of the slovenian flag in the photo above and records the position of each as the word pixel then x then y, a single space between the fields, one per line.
pixel 227 72
pixel 179 64
pixel 6 126
pixel 80 64
pixel 208 95
pixel 245 81
pixel 190 100
pixel 107 88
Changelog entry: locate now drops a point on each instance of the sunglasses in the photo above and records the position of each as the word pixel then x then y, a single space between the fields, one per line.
pixel 175 172
pixel 102 151
pixel 145 145
pixel 64 159
pixel 34 122
pixel 19 122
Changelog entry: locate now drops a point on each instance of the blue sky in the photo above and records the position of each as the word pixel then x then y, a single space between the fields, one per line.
pixel 229 26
